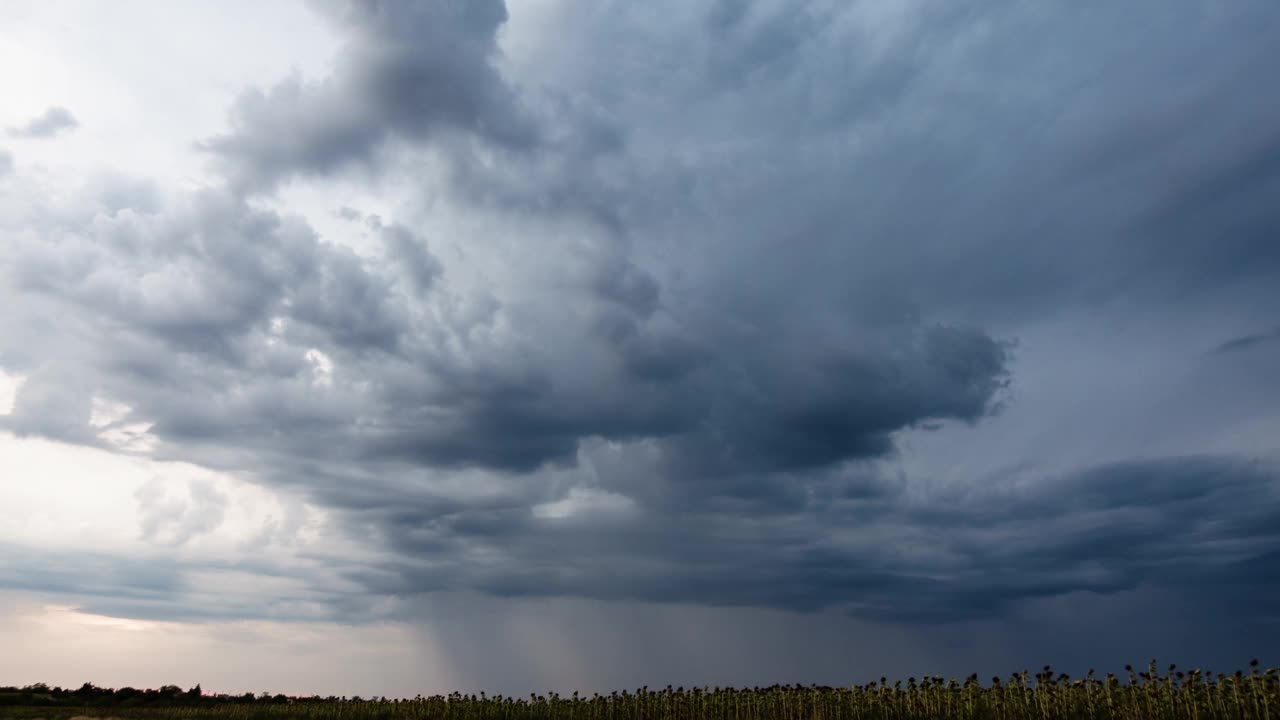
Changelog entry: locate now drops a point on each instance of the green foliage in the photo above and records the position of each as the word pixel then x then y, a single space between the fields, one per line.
pixel 1175 695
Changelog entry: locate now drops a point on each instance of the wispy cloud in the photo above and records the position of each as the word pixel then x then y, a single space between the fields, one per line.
pixel 1247 342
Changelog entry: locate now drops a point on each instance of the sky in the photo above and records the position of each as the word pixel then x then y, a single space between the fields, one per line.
pixel 384 348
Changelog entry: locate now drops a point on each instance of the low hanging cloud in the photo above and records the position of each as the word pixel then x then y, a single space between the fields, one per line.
pixel 874 554
pixel 666 298
pixel 56 119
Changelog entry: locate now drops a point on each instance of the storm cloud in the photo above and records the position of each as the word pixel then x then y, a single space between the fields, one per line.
pixel 662 301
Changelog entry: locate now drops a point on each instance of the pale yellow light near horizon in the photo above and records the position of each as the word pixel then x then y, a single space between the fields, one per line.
pixel 60 644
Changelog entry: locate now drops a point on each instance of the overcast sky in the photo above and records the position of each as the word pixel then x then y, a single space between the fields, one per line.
pixel 387 347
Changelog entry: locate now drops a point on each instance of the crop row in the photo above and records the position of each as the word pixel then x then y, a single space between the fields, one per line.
pixel 1174 695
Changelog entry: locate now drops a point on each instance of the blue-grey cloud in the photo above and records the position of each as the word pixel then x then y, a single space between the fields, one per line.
pixel 54 120
pixel 406 71
pixel 89 575
pixel 665 300
pixel 1173 524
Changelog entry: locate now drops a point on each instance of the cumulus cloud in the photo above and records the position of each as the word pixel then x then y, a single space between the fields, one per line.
pixel 54 120
pixel 236 298
pixel 406 71
pixel 651 326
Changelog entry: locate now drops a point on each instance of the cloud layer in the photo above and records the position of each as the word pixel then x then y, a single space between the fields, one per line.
pixel 658 301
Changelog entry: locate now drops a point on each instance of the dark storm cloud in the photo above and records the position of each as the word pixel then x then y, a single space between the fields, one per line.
pixel 1175 523
pixel 703 285
pixel 407 70
pixel 843 400
pixel 987 174
pixel 52 121
pixel 208 318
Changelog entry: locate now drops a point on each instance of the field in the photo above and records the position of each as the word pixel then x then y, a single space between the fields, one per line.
pixel 1195 695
